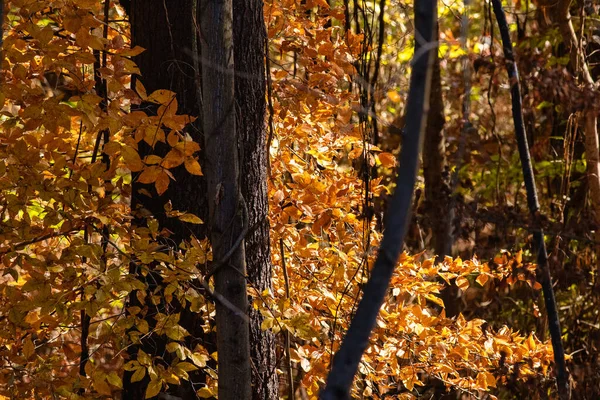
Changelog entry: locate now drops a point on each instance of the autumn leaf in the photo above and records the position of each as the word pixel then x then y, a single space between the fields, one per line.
pixel 191 218
pixel 205 393
pixel 162 182
pixel 28 348
pixel 193 166
pixel 161 96
pixel 150 174
pixel 173 159
pixel 138 375
pixel 153 388
pixel 132 159
pixel 387 160
pixel 139 87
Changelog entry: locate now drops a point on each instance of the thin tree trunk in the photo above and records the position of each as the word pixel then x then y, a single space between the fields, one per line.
pixel 434 165
pixel 562 378
pixel 228 213
pixel 347 359
pixel 249 36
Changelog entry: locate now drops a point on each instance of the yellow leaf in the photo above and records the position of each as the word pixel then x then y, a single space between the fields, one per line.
pixel 153 388
pixel 186 366
pixel 101 386
pixel 28 348
pixel 114 379
pixel 176 332
pixel 462 283
pixel 188 147
pixel 132 53
pixel 161 96
pixel 152 159
pixel 394 96
pixel 267 324
pixel 482 279
pixel 191 218
pixel 138 375
pixel 111 148
pixel 132 159
pixel 144 358
pixel 173 159
pixel 162 183
pixel 192 166
pixel 141 90
pixel 205 393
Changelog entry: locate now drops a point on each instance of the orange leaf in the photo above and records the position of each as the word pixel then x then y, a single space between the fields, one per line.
pixel 387 160
pixel 162 183
pixel 161 96
pixel 192 166
pixel 173 159
pixel 132 158
pixel 149 175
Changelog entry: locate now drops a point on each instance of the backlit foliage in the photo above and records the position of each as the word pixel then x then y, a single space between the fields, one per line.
pixel 69 251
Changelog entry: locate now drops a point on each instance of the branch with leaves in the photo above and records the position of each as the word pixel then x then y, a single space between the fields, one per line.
pixel 345 363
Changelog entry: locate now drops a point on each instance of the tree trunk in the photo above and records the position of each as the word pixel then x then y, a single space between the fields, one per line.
pixel 434 166
pixel 166 30
pixel 249 35
pixel 228 213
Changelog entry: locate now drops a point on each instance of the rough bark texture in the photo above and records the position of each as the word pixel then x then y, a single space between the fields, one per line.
pixel 249 53
pixel 228 214
pixel 437 191
pixel 166 31
pixel 434 166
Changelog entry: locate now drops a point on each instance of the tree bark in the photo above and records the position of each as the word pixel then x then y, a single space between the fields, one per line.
pixel 250 37
pixel 228 213
pixel 434 166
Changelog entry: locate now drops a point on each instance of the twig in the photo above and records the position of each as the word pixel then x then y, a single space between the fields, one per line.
pixel 288 359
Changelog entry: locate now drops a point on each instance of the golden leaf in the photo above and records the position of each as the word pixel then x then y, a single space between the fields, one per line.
pixel 387 160
pixel 162 182
pixel 28 348
pixel 173 159
pixel 153 388
pixel 149 175
pixel 132 159
pixel 191 218
pixel 193 166
pixel 138 375
pixel 161 96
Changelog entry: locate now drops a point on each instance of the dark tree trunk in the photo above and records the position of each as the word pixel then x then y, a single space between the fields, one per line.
pixel 434 167
pixel 166 30
pixel 437 191
pixel 228 213
pixel 249 52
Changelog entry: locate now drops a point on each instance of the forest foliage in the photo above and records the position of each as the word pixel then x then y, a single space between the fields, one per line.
pixel 70 130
